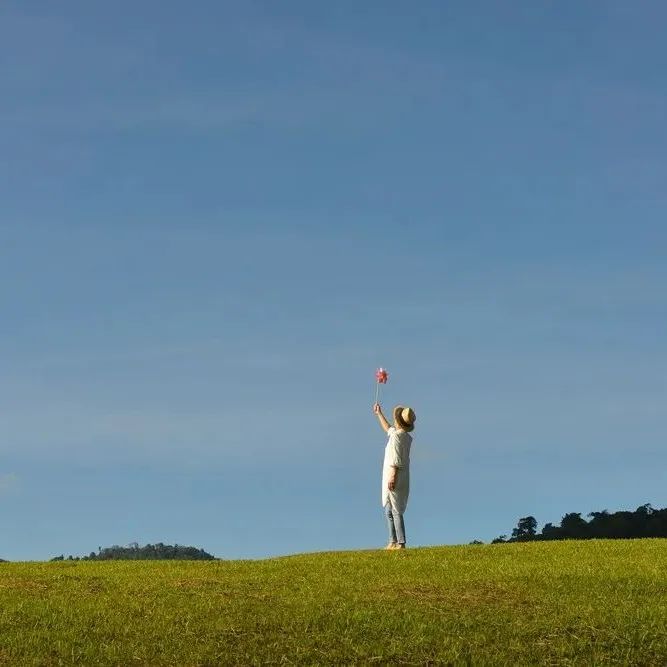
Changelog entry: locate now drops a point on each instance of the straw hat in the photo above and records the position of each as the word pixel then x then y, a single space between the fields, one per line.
pixel 404 418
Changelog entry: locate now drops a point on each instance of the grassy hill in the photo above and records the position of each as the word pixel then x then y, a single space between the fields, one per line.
pixel 602 602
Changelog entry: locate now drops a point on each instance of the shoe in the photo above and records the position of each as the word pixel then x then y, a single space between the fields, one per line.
pixel 391 546
pixel 400 545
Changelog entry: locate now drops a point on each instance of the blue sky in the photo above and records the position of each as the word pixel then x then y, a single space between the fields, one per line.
pixel 217 220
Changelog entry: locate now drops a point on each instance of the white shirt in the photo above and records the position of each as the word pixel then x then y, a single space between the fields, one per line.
pixel 397 454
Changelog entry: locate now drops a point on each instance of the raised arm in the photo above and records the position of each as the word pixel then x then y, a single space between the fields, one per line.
pixel 381 418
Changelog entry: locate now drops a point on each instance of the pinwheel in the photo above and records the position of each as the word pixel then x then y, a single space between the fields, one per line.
pixel 381 376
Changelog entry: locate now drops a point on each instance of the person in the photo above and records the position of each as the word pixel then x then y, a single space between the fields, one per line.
pixel 396 470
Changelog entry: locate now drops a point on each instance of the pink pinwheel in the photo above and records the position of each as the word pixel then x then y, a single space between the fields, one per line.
pixel 381 376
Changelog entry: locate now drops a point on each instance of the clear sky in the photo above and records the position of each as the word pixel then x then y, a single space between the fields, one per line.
pixel 218 219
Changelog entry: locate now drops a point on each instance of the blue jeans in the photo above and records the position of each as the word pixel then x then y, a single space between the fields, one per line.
pixel 395 524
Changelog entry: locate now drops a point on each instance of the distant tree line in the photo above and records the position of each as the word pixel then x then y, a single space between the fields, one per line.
pixel 645 521
pixel 133 551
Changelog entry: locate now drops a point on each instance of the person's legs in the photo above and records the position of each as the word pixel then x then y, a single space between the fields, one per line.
pixel 390 523
pixel 396 526
pixel 399 527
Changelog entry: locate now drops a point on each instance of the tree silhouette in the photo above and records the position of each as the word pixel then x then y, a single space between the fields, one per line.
pixel 574 526
pixel 645 521
pixel 550 532
pixel 525 529
pixel 133 551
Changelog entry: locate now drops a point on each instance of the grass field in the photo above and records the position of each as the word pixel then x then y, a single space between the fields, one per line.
pixel 595 602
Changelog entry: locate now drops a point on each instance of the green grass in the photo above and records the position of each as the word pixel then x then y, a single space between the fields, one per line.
pixel 595 602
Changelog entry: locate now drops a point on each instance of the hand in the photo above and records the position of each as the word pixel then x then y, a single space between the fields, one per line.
pixel 392 483
pixel 377 409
